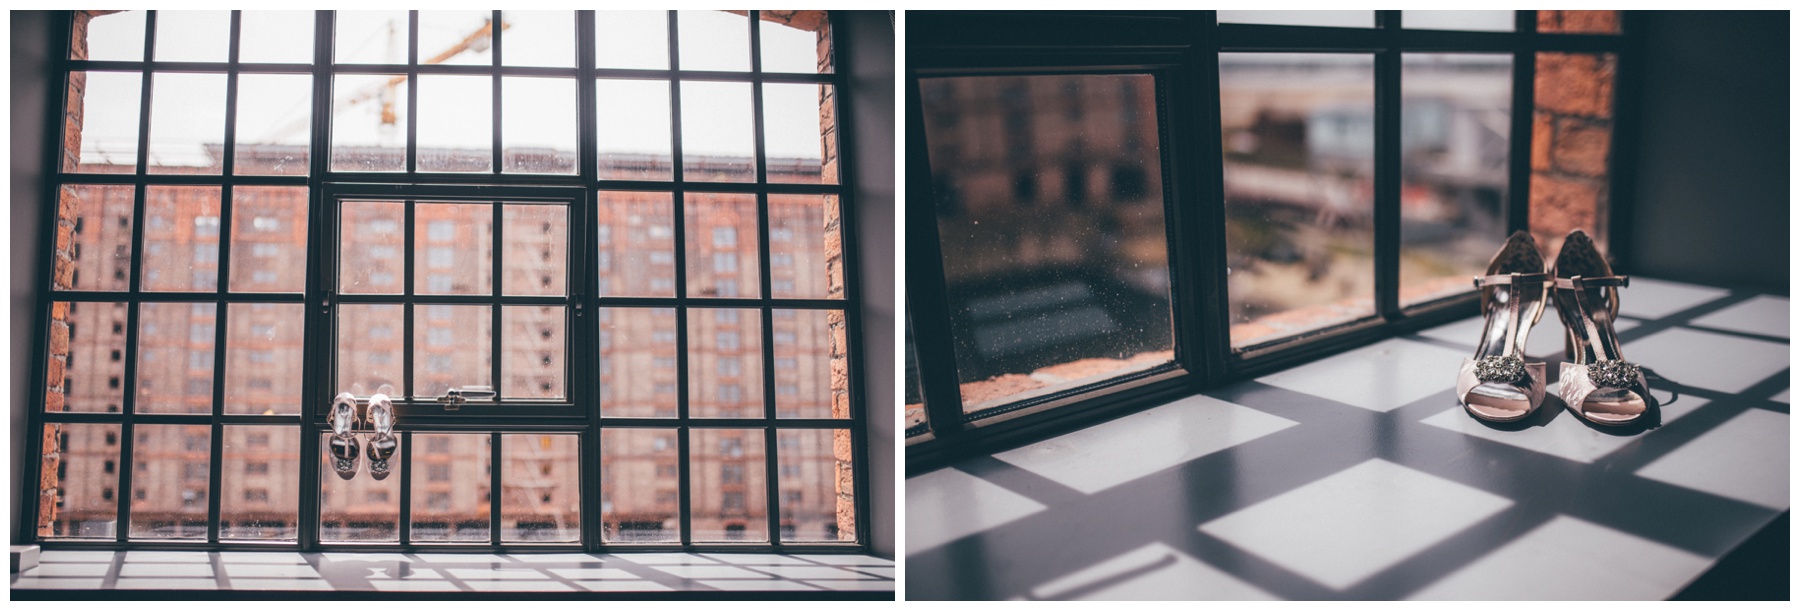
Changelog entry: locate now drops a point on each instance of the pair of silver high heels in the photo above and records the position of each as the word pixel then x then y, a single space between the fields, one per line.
pixel 1596 382
pixel 347 450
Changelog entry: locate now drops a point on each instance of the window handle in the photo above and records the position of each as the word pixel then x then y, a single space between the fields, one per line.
pixel 455 398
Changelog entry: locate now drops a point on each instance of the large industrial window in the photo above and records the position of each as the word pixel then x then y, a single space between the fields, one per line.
pixel 624 227
pixel 1113 209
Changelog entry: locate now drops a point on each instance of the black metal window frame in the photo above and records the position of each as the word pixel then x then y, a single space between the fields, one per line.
pixel 579 411
pixel 1181 49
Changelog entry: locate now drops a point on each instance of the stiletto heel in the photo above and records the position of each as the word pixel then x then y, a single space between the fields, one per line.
pixel 1497 384
pixel 382 444
pixel 1597 383
pixel 346 451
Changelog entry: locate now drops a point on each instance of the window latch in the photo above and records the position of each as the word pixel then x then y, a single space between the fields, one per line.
pixel 455 398
pixel 325 301
pixel 577 300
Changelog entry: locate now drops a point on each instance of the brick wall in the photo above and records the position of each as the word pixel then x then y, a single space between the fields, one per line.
pixel 1571 135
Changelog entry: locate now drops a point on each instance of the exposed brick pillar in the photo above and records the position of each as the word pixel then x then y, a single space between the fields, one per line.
pixel 1571 142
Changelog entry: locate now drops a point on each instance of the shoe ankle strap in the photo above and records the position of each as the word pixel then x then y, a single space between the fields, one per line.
pixel 1577 283
pixel 1509 279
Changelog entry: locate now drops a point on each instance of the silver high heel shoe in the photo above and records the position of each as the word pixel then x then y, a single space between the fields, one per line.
pixel 383 444
pixel 1497 384
pixel 1596 381
pixel 346 451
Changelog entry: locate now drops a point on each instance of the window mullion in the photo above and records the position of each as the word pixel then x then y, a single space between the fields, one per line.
pixel 1518 163
pixel 1387 170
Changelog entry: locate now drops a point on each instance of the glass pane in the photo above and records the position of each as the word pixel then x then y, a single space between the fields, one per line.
pixel 274 124
pixel 537 240
pixel 541 487
pixel 181 238
pixel 1342 19
pixel 370 350
pixel 730 495
pixel 1571 146
pixel 96 220
pixel 455 38
pixel 452 348
pixel 714 40
pixel 805 249
pixel 538 38
pixel 368 123
pixel 633 127
pixel 1055 255
pixel 917 422
pixel 796 41
pixel 79 481
pixel 537 125
pixel 1493 21
pixel 717 141
pixel 1455 121
pixel 636 238
pixel 369 247
pixel 87 355
pixel 816 505
pixel 453 249
pixel 264 344
pixel 187 123
pixel 450 488
pixel 725 363
pixel 268 239
pixel 175 358
pixel 372 37
pixel 101 131
pixel 631 39
pixel 638 368
pixel 809 346
pixel 721 245
pixel 1578 22
pixel 193 36
pixel 169 481
pixel 1299 138
pixel 275 37
pixel 258 481
pixel 360 510
pixel 534 345
pixel 108 36
pixel 456 123
pixel 800 133
pixel 640 486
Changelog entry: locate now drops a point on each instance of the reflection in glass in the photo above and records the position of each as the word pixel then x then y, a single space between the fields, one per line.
pixel 370 349
pixel 631 39
pixel 633 129
pixel 274 124
pixel 368 123
pixel 258 480
pixel 112 36
pixel 453 249
pixel 815 503
pixel 722 245
pixel 105 131
pixel 540 497
pixel 274 37
pixel 537 125
pixel 369 244
pixel 450 488
pixel 100 238
pixel 169 481
pixel 452 348
pixel 714 40
pixel 192 36
pixel 730 495
pixel 799 134
pixel 1050 218
pixel 187 123
pixel 268 238
pixel 805 248
pixel 534 345
pixel 796 41
pixel 638 370
pixel 1455 117
pixel 175 357
pixel 717 141
pixel 87 345
pixel 1299 138
pixel 264 343
pixel 537 239
pixel 181 238
pixel 456 123
pixel 807 348
pixel 360 510
pixel 636 236
pixel 725 363
pixel 80 471
pixel 640 486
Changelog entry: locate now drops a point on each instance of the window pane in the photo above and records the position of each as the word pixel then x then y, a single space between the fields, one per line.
pixel 1299 137
pixel 181 238
pixel 98 220
pixel 456 119
pixel 452 348
pixel 534 343
pixel 805 247
pixel 1455 122
pixel 717 141
pixel 87 356
pixel 450 488
pixel 1493 21
pixel 636 237
pixel 917 422
pixel 193 36
pixel 721 245
pixel 455 38
pixel 633 130
pixel 638 370
pixel 542 488
pixel 175 357
pixel 274 124
pixel 268 239
pixel 368 122
pixel 258 480
pixel 631 39
pixel 640 486
pixel 370 350
pixel 1578 22
pixel 538 125
pixel 102 122
pixel 372 37
pixel 370 243
pixel 729 503
pixel 539 38
pixel 467 231
pixel 187 123
pixel 796 41
pixel 809 346
pixel 815 503
pixel 275 37
pixel 264 345
pixel 360 510
pixel 725 392
pixel 79 481
pixel 537 239
pixel 1342 19
pixel 1571 146
pixel 108 36
pixel 714 40
pixel 1055 255
pixel 169 481
pixel 800 133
